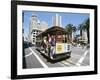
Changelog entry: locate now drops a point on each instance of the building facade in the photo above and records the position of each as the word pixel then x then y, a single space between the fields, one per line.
pixel 73 36
pixel 36 27
pixel 84 36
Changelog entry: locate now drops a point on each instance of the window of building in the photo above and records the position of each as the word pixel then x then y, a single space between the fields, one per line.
pixel 33 35
pixel 36 33
pixel 33 40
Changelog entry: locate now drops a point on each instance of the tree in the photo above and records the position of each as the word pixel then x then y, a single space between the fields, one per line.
pixel 69 29
pixel 80 28
pixel 87 28
pixel 74 29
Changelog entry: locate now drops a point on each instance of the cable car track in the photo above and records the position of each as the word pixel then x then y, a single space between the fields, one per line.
pixel 68 63
pixel 71 63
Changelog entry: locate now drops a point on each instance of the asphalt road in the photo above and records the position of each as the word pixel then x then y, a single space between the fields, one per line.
pixel 33 58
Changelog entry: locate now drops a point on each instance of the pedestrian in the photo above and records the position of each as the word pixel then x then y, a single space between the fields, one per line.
pixel 49 45
pixel 45 44
pixel 53 43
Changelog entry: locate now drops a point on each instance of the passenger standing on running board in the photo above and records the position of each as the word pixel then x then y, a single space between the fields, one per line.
pixel 49 45
pixel 53 43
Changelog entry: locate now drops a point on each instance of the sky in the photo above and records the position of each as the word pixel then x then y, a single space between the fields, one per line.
pixel 67 18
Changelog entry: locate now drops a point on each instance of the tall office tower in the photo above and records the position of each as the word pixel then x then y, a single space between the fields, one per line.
pixel 36 27
pixel 32 25
pixel 60 21
pixel 84 36
pixel 73 36
pixel 56 20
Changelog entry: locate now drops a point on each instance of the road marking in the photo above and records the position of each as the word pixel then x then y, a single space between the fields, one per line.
pixel 68 63
pixel 43 64
pixel 71 62
pixel 28 54
pixel 65 63
pixel 82 58
pixel 61 64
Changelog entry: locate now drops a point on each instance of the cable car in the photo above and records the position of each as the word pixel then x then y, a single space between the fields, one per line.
pixel 53 43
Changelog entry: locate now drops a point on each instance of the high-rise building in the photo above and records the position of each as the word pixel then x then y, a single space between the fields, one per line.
pixel 84 36
pixel 36 27
pixel 73 36
pixel 56 20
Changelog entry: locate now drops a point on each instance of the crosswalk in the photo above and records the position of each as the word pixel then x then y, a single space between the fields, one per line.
pixel 43 64
pixel 74 60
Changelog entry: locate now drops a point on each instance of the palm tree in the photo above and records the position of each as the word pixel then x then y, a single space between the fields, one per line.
pixel 86 27
pixel 74 29
pixel 69 31
pixel 80 28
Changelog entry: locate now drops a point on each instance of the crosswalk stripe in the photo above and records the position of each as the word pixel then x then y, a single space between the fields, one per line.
pixel 28 54
pixel 43 64
pixel 82 58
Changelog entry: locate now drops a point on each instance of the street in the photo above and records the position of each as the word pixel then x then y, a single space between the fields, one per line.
pixel 33 58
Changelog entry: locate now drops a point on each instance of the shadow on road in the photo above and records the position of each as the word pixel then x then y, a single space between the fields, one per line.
pixel 54 60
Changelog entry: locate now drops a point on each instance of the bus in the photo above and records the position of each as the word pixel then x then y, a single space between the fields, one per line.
pixel 53 43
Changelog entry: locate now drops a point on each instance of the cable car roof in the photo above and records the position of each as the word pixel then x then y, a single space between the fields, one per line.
pixel 53 30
